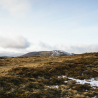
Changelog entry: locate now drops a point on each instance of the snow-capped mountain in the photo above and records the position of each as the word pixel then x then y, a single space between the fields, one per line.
pixel 61 53
pixel 49 53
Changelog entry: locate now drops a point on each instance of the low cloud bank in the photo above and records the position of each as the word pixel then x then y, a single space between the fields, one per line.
pixel 14 42
pixel 17 46
pixel 10 54
pixel 80 48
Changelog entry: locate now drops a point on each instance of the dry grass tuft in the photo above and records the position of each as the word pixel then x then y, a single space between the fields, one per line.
pixel 24 77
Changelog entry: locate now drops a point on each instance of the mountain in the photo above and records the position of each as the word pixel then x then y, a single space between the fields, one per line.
pixel 48 53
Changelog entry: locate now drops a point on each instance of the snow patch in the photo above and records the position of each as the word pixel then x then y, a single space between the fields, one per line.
pixel 60 52
pixel 56 86
pixel 93 81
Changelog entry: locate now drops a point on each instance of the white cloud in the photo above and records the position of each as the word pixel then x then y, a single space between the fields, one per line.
pixel 17 47
pixel 10 54
pixel 14 42
pixel 17 8
pixel 45 45
pixel 79 48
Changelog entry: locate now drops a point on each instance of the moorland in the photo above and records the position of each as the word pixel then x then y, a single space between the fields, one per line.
pixel 42 77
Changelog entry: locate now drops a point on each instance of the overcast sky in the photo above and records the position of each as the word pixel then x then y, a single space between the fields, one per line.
pixel 36 25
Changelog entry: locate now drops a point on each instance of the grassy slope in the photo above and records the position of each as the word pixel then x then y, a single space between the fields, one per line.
pixel 29 77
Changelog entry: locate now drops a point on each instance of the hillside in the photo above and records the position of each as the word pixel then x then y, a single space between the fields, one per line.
pixel 48 53
pixel 74 76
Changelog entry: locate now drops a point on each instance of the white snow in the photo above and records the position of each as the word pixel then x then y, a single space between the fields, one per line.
pixel 93 81
pixel 56 86
pixel 59 52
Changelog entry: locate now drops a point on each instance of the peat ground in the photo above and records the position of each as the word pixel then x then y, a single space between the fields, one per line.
pixel 48 77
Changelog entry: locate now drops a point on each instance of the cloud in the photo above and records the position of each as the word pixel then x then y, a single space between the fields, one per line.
pixel 83 48
pixel 79 48
pixel 14 42
pixel 18 45
pixel 45 45
pixel 16 8
pixel 11 54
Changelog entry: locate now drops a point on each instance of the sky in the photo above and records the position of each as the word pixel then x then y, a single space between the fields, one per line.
pixel 46 25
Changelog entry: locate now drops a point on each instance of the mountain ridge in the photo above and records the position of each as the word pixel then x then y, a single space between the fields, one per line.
pixel 48 53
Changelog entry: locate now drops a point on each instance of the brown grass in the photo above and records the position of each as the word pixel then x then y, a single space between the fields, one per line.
pixel 24 77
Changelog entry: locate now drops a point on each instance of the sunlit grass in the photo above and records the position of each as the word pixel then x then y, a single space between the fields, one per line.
pixel 39 78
